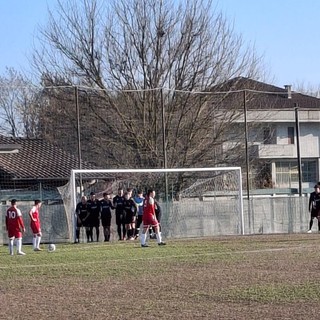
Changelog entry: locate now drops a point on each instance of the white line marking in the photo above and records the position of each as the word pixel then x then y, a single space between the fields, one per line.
pixel 152 258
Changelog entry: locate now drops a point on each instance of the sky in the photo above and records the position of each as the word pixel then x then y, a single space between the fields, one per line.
pixel 285 33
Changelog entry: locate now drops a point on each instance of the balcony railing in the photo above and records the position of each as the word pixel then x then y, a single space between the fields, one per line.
pixel 268 151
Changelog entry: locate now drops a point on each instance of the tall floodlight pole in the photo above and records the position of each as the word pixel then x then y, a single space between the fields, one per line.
pixel 247 154
pixel 296 109
pixel 76 92
pixel 246 141
pixel 164 142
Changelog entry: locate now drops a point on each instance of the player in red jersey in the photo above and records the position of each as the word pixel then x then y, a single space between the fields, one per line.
pixel 15 227
pixel 35 225
pixel 149 219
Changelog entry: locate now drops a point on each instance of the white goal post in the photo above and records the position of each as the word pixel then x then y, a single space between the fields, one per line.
pixel 195 202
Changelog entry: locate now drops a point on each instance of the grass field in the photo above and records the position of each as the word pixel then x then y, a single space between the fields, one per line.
pixel 248 277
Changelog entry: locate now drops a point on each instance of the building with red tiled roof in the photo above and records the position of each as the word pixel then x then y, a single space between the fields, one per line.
pixel 27 163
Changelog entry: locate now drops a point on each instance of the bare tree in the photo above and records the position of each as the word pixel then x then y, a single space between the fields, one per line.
pixel 139 61
pixel 19 105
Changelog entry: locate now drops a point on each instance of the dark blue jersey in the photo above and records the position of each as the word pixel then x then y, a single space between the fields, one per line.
pixel 314 202
pixel 106 207
pixel 81 210
pixel 118 204
pixel 129 206
pixel 93 207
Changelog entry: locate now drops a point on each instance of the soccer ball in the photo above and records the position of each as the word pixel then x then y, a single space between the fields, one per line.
pixel 51 247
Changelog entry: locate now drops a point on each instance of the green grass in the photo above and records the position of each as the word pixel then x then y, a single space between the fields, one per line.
pixel 185 279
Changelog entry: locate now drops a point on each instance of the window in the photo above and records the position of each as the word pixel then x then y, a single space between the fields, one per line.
pixel 309 171
pixel 290 135
pixel 287 172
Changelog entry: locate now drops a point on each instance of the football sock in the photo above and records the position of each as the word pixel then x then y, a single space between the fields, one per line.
pixel 38 239
pixel 124 231
pixel 119 231
pixel 11 246
pixel 159 238
pixel 88 234
pixel 143 237
pixel 34 241
pixel 19 244
pixel 97 234
pixel 310 224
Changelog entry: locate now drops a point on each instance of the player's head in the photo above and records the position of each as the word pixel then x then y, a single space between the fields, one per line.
pixel 37 203
pixel 317 188
pixel 106 195
pixel 127 195
pixel 92 195
pixel 83 199
pixel 120 192
pixel 139 193
pixel 151 193
pixel 129 191
pixel 13 202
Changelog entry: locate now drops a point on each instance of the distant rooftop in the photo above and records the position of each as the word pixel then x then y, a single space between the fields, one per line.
pixel 36 159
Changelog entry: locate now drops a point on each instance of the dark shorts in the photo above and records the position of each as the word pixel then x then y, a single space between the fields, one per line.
pixel 120 218
pixel 93 221
pixel 106 220
pixel 81 223
pixel 139 221
pixel 158 216
pixel 315 213
pixel 130 217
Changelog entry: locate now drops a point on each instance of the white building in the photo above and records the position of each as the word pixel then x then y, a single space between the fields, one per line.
pixel 272 117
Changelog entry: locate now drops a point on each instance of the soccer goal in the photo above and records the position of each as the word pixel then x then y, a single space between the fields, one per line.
pixel 195 202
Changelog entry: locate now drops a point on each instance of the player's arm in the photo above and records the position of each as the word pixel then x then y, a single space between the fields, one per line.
pixel 151 202
pixel 310 202
pixel 86 217
pixel 137 205
pixel 99 209
pixel 20 221
pixel 77 213
pixel 133 207
pixel 22 227
pixel 114 202
pixel 88 213
pixel 30 214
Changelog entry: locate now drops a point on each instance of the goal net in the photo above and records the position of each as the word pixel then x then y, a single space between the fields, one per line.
pixel 195 202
